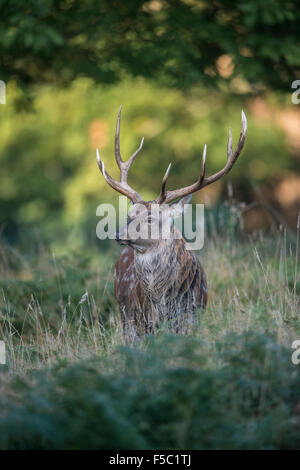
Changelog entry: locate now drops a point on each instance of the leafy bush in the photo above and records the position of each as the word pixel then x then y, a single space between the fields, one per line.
pixel 165 394
pixel 177 42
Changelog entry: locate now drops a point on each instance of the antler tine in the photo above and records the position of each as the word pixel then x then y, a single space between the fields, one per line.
pixel 118 186
pixel 169 196
pixel 131 159
pixel 203 165
pixel 231 157
pixel 229 145
pixel 117 139
pixel 162 195
pixel 122 185
pixel 124 166
pixel 101 166
pixel 242 136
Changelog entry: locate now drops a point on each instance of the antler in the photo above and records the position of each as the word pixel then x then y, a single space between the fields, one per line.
pixel 168 196
pixel 122 185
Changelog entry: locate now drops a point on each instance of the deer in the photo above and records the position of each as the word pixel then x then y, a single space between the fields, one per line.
pixel 159 279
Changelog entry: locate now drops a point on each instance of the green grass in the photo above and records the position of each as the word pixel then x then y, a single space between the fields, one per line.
pixel 71 382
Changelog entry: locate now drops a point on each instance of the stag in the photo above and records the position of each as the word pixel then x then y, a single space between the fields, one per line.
pixel 159 279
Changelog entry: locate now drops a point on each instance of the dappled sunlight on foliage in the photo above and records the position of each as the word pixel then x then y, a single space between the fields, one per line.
pixel 183 71
pixel 48 154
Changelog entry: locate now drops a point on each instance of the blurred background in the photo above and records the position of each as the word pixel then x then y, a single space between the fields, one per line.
pixel 183 70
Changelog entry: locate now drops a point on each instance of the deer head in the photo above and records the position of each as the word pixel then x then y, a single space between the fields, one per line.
pixel 154 217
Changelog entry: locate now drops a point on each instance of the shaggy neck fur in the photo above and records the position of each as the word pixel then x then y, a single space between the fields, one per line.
pixel 166 273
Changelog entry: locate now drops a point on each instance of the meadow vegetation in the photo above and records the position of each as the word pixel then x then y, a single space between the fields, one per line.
pixel 183 71
pixel 71 382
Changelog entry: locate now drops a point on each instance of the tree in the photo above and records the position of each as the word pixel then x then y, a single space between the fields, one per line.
pixel 176 41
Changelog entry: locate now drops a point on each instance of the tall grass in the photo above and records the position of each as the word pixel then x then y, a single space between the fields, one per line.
pixel 229 384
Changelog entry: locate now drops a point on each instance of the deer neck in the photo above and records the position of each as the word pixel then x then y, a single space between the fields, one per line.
pixel 159 267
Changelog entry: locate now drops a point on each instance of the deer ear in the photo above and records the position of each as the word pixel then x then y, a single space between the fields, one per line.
pixel 180 207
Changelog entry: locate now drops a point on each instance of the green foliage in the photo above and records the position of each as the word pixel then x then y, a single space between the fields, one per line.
pixel 49 172
pixel 163 397
pixel 177 42
pixel 56 291
pixel 70 383
pixel 54 287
